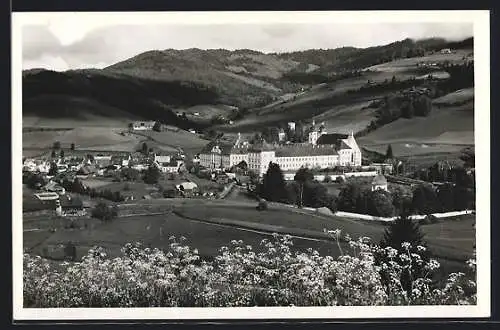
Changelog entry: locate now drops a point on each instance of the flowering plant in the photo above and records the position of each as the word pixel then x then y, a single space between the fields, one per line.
pixel 240 276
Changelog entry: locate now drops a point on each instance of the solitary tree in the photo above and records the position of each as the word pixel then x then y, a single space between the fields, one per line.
pixel 145 148
pixel 273 184
pixel 70 251
pixel 72 147
pixel 61 154
pixel 56 145
pixel 152 175
pixel 53 169
pixel 301 177
pixel 468 157
pixel 388 153
pixel 404 230
pixel 53 154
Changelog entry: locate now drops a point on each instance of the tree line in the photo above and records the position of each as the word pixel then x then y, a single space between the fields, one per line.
pixel 358 198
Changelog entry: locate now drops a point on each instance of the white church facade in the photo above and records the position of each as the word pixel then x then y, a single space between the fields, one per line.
pixel 323 150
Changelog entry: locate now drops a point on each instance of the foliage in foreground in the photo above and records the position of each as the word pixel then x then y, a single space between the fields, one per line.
pixel 240 276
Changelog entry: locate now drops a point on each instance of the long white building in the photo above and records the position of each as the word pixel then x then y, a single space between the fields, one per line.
pixel 323 151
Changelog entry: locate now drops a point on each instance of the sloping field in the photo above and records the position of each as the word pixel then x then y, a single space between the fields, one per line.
pixel 189 142
pixel 72 112
pixel 346 118
pixel 207 110
pixel 458 97
pixel 208 225
pixel 403 64
pixel 155 231
pixel 333 96
pixel 444 130
pixel 83 137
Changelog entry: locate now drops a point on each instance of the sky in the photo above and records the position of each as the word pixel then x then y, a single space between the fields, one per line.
pixel 67 43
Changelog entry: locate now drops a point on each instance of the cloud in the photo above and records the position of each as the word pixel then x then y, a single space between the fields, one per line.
pixel 38 41
pixel 70 43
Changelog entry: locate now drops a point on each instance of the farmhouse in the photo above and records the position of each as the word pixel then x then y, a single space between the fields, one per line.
pixel 54 187
pixel 120 160
pixel 445 51
pixel 72 206
pixel 171 166
pixel 187 188
pixel 162 158
pixel 143 125
pixel 35 165
pixel 327 150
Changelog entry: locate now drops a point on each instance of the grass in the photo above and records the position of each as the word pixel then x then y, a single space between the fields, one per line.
pixel 458 97
pixel 208 225
pixel 189 142
pixel 83 137
pixel 442 134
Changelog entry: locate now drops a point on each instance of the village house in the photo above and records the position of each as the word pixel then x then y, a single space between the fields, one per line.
pixel 143 125
pixel 71 206
pixel 54 187
pixel 324 150
pixel 445 51
pixel 187 188
pixel 171 166
pixel 36 165
pixel 120 160
pixel 162 158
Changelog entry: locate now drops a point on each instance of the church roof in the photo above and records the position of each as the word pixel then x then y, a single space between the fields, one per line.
pixel 379 180
pixel 226 148
pixel 304 150
pixel 331 138
pixel 262 146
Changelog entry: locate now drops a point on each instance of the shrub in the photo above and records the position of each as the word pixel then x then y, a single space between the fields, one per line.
pixel 104 212
pixel 339 179
pixel 262 205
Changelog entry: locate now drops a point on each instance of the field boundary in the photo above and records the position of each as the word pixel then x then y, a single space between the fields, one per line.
pixel 412 217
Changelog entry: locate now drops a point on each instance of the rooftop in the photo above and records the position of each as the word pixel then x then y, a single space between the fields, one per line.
pixel 331 138
pixel 305 150
pixel 379 180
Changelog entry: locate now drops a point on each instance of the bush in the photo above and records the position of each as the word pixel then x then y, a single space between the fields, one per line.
pixel 262 205
pixel 104 212
pixel 339 179
pixel 152 175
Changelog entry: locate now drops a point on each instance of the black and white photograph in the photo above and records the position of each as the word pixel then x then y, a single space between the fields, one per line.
pixel 218 164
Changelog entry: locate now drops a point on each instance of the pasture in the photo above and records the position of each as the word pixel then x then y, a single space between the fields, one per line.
pixel 444 132
pixel 456 57
pixel 189 142
pixel 83 138
pixel 458 97
pixel 208 225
